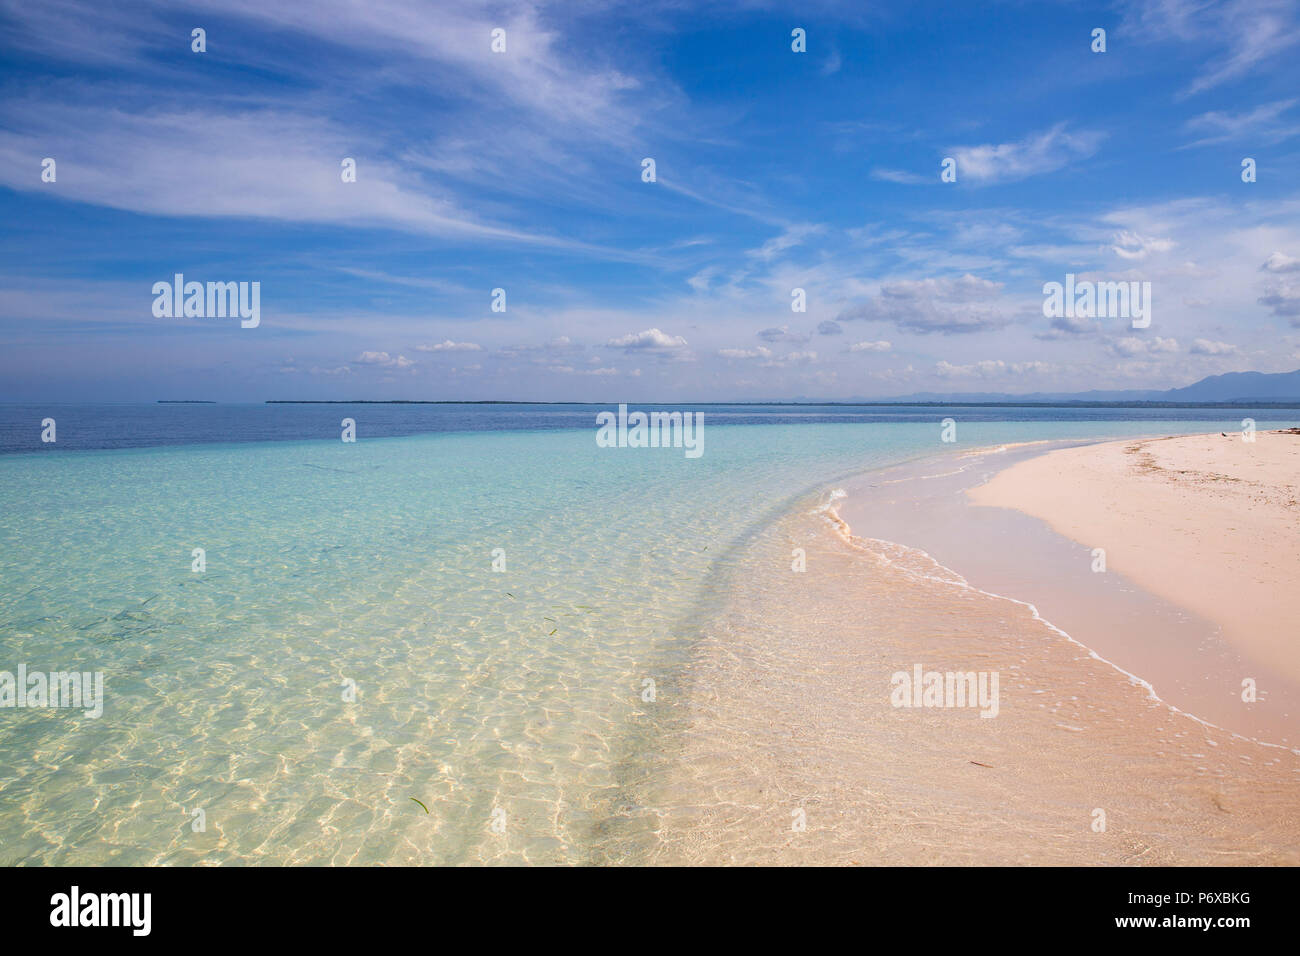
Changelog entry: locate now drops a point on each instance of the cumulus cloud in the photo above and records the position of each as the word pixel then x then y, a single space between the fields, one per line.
pixel 1280 262
pixel 770 358
pixel 881 346
pixel 1131 345
pixel 829 327
pixel 1130 245
pixel 448 345
pixel 1282 296
pixel 783 334
pixel 1207 347
pixel 1069 325
pixel 559 344
pixel 570 370
pixel 990 368
pixel 792 358
pixel 947 306
pixel 652 341
pixel 382 360
pixel 1283 299
pixel 760 352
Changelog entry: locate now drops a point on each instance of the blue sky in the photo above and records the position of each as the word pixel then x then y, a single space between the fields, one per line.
pixel 522 171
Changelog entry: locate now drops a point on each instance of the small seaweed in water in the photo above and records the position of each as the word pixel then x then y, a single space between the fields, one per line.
pixel 422 806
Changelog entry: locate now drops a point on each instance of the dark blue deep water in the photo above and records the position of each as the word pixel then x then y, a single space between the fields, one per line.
pixel 81 427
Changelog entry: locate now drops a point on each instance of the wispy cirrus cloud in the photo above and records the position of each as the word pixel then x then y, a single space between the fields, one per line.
pixel 1034 155
pixel 147 144
pixel 1238 36
pixel 1264 125
pixel 522 170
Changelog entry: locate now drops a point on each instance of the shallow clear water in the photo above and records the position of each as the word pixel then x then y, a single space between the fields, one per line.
pixel 508 701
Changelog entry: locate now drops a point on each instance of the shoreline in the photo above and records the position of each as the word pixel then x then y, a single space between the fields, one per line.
pixel 1207 523
pixel 1080 733
pixel 845 532
pixel 1181 654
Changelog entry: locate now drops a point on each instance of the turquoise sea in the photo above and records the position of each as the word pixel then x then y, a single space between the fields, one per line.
pixel 349 658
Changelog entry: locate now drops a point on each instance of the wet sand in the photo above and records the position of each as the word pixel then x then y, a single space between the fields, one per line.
pixel 1210 523
pixel 1187 656
pixel 790 748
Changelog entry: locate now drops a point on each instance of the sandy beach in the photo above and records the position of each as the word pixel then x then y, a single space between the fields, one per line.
pixel 1209 522
pixel 1084 762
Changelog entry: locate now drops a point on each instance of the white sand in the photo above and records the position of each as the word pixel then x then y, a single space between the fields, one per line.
pixel 1208 522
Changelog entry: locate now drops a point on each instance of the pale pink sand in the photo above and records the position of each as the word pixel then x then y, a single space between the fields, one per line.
pixel 1208 522
pixel 787 746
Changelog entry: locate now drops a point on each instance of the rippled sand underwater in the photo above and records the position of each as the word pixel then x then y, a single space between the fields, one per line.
pixel 512 701
pixel 477 691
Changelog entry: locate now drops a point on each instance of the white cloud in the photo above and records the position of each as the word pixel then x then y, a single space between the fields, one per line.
pixel 947 306
pixel 791 358
pixel 1131 246
pixel 783 334
pixel 1207 347
pixel 1260 125
pixel 881 346
pixel 1245 32
pixel 1070 325
pixel 791 237
pixel 382 360
pixel 1131 345
pixel 770 358
pixel 1283 299
pixel 449 346
pixel 1280 262
pixel 990 368
pixel 651 340
pixel 570 370
pixel 1041 153
pixel 903 177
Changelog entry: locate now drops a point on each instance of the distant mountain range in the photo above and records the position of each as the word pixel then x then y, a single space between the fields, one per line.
pixel 1231 387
